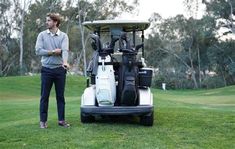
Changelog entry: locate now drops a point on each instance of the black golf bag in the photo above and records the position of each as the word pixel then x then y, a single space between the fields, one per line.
pixel 128 74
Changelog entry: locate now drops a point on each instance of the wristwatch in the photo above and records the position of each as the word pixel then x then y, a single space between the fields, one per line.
pixel 53 52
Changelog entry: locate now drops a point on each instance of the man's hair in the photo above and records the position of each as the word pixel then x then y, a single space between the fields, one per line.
pixel 55 17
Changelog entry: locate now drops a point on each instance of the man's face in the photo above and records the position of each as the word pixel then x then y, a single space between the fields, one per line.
pixel 50 23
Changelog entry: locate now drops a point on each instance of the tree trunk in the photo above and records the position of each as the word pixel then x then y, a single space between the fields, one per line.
pixel 78 59
pixel 225 82
pixel 1 73
pixel 82 36
pixel 84 50
pixel 21 49
pixel 22 38
pixel 192 69
pixel 67 27
pixel 199 66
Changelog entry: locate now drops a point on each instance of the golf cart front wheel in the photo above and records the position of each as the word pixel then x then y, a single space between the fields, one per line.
pixel 87 118
pixel 147 120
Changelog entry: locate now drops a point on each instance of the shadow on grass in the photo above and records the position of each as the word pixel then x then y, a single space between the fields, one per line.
pixel 133 120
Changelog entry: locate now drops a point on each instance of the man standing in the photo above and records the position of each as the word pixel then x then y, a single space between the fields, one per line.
pixel 52 45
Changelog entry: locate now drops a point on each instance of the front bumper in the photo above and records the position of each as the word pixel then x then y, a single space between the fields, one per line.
pixel 117 110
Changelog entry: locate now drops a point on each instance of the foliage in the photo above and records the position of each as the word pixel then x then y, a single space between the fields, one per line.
pixel 221 56
pixel 180 46
pixel 8 46
pixel 213 82
pixel 34 23
pixel 187 48
pixel 223 11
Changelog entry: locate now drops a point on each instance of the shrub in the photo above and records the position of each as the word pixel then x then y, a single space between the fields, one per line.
pixel 213 82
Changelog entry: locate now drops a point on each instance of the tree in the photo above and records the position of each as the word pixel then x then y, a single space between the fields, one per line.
pixel 30 22
pixel 223 11
pixel 8 46
pixel 180 45
pixel 22 6
pixel 222 55
pixel 98 10
pixel 34 22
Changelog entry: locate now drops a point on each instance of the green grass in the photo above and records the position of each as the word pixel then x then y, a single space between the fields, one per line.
pixel 183 119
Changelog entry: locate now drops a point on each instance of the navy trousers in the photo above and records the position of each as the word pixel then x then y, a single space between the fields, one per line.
pixel 56 76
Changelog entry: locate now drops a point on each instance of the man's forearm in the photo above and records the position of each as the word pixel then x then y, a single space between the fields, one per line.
pixel 43 52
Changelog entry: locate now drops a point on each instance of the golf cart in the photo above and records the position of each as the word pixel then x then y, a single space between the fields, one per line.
pixel 119 82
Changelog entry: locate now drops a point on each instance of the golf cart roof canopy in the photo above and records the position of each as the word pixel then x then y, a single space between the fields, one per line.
pixel 125 25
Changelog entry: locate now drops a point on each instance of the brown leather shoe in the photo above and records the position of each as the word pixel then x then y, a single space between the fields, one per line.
pixel 64 124
pixel 43 125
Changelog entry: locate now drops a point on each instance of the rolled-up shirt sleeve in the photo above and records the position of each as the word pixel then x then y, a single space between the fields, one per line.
pixel 65 48
pixel 39 47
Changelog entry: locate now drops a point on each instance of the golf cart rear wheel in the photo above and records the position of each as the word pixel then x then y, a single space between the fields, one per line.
pixel 147 120
pixel 87 118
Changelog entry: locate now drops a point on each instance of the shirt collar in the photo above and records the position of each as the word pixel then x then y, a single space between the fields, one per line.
pixel 56 34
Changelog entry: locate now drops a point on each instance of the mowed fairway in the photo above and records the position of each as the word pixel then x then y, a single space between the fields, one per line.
pixel 183 119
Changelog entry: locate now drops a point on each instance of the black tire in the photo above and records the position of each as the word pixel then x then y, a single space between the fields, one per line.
pixel 147 120
pixel 87 118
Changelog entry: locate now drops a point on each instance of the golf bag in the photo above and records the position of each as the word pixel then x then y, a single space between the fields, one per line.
pixel 128 71
pixel 102 73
